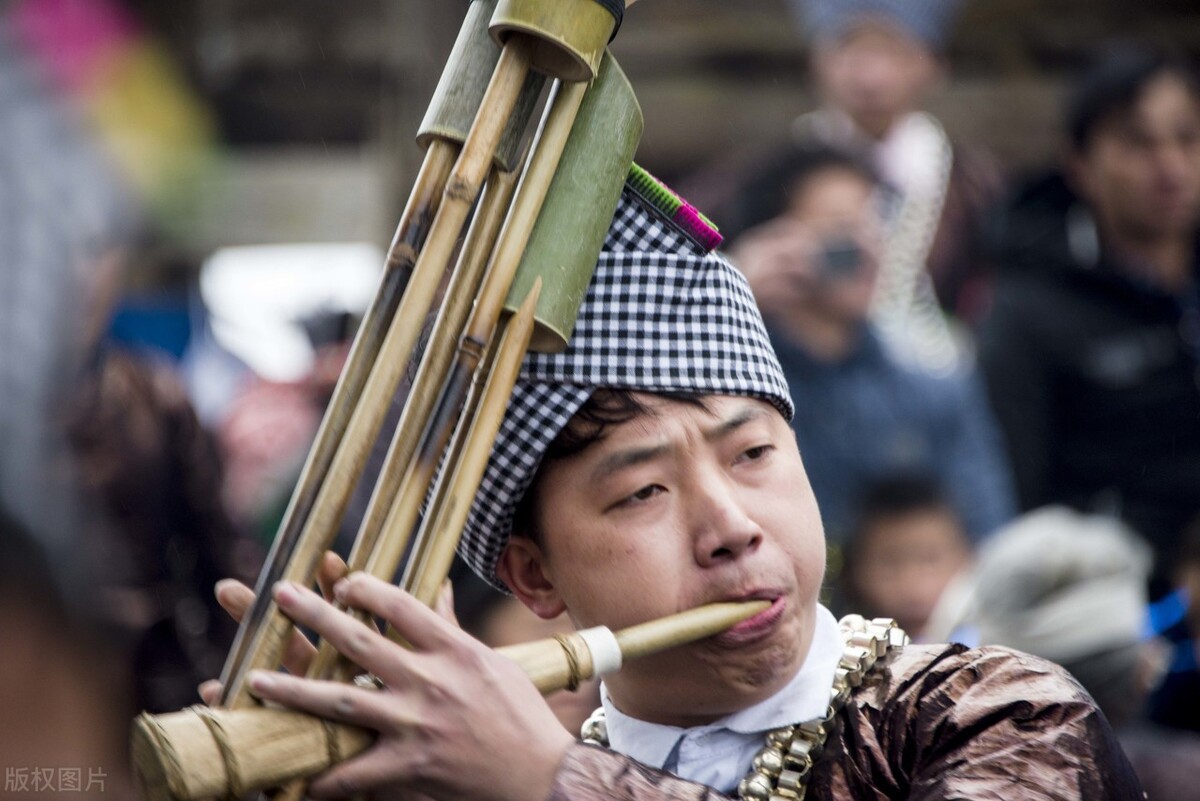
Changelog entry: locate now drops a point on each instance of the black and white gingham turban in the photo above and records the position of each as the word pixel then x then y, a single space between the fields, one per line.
pixel 661 315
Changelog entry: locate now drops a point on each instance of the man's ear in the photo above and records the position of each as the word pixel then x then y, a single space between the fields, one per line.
pixel 522 567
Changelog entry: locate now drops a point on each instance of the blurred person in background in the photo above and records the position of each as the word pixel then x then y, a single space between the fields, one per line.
pixel 875 64
pixel 498 620
pixel 812 259
pixel 1071 588
pixel 102 456
pixel 266 432
pixel 153 477
pixel 907 549
pixel 1093 348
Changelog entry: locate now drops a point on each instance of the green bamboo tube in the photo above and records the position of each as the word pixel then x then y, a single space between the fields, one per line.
pixel 474 439
pixel 548 147
pixel 571 35
pixel 200 753
pixel 581 200
pixel 461 190
pixel 464 80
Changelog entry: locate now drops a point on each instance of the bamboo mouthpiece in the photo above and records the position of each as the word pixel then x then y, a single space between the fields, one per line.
pixel 201 753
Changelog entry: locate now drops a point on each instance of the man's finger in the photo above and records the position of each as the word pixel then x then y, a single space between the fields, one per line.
pixel 332 700
pixel 412 620
pixel 332 569
pixel 357 641
pixel 210 692
pixel 236 599
pixel 445 604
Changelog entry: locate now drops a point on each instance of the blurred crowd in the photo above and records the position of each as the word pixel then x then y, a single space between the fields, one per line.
pixel 996 376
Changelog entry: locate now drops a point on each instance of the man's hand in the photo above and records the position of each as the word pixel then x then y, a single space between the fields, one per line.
pixel 236 599
pixel 456 719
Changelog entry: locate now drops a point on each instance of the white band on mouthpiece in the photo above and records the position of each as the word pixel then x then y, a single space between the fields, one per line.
pixel 606 653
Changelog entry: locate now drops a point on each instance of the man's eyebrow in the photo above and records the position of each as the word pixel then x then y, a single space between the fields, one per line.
pixel 745 415
pixel 629 457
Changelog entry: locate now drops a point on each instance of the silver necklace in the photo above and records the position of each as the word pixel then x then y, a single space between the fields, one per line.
pixel 781 770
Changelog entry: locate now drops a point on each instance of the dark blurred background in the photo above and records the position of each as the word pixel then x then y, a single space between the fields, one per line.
pixel 309 95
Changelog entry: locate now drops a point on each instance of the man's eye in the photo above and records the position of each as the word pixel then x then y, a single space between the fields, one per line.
pixel 755 453
pixel 644 494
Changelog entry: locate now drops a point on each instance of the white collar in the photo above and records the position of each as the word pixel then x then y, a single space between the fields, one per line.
pixel 719 753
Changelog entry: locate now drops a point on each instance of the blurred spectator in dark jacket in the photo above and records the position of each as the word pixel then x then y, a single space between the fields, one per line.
pixel 1071 588
pixel 875 63
pixel 812 261
pixel 1093 350
pixel 907 548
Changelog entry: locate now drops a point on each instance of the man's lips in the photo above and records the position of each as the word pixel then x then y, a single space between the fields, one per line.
pixel 754 628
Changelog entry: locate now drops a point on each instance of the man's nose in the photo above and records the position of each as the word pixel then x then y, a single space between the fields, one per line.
pixel 724 531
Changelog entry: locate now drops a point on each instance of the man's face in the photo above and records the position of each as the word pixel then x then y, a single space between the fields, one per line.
pixel 1141 170
pixel 875 73
pixel 676 508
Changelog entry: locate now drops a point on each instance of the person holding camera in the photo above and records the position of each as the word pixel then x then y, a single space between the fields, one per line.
pixel 812 259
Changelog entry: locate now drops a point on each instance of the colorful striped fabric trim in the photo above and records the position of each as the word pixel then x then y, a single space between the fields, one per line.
pixel 686 217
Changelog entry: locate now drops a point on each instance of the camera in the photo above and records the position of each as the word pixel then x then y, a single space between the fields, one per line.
pixel 838 258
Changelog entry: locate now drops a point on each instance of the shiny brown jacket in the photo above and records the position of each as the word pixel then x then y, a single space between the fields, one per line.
pixel 942 722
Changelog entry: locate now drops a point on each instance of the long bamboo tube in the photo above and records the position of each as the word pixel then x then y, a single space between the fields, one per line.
pixel 461 190
pixel 325 664
pixel 211 753
pixel 474 437
pixel 502 370
pixel 410 235
pixel 437 359
pixel 442 488
pixel 505 367
pixel 548 148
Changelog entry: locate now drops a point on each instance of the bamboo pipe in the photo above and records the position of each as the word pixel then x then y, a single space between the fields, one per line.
pixel 551 140
pixel 442 489
pixel 202 753
pixel 410 235
pixel 461 190
pixel 474 439
pixel 436 362
pixel 327 664
pixel 447 123
pixel 505 367
pixel 503 374
pixel 451 319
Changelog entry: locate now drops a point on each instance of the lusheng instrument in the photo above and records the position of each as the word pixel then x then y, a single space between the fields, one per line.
pixel 220 753
pixel 535 219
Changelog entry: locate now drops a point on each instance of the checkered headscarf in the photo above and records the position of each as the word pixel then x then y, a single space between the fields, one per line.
pixel 660 315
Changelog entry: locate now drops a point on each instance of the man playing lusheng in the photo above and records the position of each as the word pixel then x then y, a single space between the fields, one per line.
pixel 649 469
